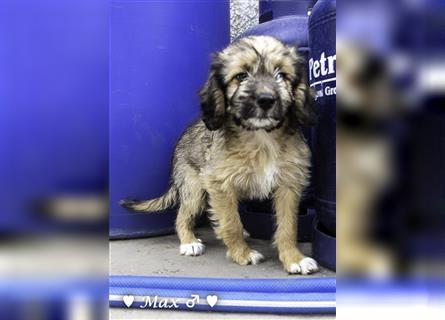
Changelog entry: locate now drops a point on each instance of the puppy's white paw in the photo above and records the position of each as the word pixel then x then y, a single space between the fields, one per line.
pixel 305 266
pixel 246 234
pixel 192 249
pixel 255 257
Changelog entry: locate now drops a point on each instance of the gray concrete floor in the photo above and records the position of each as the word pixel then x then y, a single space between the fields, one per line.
pixel 159 256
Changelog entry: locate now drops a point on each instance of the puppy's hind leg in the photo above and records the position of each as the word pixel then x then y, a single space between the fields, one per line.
pixel 192 199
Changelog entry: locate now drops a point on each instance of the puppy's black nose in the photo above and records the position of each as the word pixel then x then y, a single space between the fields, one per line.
pixel 265 100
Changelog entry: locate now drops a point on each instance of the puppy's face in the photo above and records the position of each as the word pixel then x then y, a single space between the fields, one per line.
pixel 256 83
pixel 258 75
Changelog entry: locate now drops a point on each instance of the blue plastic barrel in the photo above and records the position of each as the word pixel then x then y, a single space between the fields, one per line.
pixel 159 59
pixel 322 78
pixel 323 246
pixel 272 9
pixel 291 30
pixel 53 107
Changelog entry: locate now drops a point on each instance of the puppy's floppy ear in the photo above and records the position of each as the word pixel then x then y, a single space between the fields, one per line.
pixel 213 100
pixel 304 100
pixel 304 97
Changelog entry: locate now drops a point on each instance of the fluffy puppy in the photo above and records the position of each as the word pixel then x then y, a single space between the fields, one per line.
pixel 248 145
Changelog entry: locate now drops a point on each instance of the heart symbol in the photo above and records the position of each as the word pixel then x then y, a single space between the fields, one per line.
pixel 211 300
pixel 128 300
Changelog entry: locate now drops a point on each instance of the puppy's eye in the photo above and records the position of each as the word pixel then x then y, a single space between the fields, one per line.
pixel 241 76
pixel 279 76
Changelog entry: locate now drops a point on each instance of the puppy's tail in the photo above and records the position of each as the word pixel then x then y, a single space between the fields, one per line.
pixel 165 201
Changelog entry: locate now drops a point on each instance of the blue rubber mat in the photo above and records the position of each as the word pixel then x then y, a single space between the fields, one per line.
pixel 304 295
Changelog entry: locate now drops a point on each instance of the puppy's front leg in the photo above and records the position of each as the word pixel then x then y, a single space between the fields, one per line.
pixel 228 227
pixel 286 203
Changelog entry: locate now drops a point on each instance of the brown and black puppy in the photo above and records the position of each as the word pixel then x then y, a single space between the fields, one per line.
pixel 248 145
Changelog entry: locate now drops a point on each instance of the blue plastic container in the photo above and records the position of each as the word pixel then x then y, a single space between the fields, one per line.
pixel 322 78
pixel 323 246
pixel 159 59
pixel 259 220
pixel 291 30
pixel 272 9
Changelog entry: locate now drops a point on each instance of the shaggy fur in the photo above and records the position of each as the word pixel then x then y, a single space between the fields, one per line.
pixel 248 145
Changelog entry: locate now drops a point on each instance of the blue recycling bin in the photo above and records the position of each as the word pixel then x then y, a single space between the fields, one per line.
pixel 322 78
pixel 159 59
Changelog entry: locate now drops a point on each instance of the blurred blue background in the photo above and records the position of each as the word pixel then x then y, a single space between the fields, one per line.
pixel 54 112
pixel 53 159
